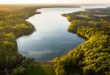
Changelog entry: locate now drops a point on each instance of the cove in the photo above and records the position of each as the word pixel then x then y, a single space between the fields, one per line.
pixel 51 38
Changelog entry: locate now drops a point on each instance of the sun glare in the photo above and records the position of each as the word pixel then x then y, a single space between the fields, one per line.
pixel 57 1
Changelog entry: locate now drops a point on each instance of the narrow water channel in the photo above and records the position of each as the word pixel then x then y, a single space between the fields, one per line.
pixel 51 38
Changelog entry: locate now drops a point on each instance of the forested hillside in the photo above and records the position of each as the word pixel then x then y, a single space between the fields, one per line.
pixel 90 58
pixel 13 25
pixel 93 56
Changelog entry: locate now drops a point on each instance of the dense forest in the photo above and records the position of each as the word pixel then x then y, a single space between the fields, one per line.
pixel 12 26
pixel 90 58
pixel 93 56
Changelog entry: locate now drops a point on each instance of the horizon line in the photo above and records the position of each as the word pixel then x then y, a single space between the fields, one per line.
pixel 56 3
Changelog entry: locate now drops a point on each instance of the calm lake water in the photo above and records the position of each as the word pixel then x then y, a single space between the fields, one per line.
pixel 51 38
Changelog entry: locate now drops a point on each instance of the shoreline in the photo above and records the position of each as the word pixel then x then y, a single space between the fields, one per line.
pixel 92 50
pixel 13 24
pixel 30 34
pixel 34 29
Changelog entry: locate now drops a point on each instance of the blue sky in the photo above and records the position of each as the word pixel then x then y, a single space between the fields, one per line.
pixel 57 1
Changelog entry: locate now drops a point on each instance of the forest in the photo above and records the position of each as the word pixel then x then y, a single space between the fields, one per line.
pixel 93 56
pixel 89 58
pixel 12 26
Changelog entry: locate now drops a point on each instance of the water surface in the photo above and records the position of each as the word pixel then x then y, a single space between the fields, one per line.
pixel 51 38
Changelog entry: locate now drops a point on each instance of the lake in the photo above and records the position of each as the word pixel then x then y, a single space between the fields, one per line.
pixel 51 38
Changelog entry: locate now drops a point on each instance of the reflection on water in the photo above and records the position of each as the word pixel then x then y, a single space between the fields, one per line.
pixel 51 38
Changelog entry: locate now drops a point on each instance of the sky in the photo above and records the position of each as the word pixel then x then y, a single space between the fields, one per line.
pixel 56 1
